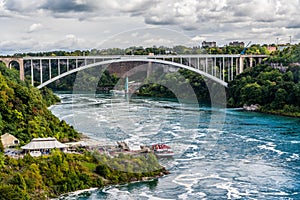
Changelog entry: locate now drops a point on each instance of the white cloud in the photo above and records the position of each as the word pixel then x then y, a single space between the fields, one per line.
pixel 35 27
pixel 70 41
pixel 198 38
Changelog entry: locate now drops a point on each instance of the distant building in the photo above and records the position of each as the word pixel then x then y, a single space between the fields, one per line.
pixel 9 140
pixel 208 44
pixel 272 48
pixel 237 44
pixel 39 146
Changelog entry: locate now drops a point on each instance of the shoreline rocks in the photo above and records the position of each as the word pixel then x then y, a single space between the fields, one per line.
pixel 252 107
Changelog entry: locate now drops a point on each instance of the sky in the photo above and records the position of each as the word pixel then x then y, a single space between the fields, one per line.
pixel 47 25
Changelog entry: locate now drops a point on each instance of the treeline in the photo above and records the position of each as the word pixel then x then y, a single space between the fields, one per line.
pixel 24 113
pixel 274 91
pixel 255 49
pixel 288 56
pixel 50 176
pixel 161 50
pixel 134 50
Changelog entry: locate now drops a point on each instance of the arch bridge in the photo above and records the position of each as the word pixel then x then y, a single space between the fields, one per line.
pixel 220 68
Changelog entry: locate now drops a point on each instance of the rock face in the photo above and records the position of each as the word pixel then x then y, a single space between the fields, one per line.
pixel 255 107
pixel 121 69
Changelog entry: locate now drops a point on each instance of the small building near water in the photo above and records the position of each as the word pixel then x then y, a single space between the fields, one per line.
pixel 41 146
pixel 9 140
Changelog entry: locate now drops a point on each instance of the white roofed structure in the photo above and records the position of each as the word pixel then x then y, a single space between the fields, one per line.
pixel 42 144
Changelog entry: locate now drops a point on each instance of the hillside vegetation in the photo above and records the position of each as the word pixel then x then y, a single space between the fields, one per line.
pixel 24 113
pixel 51 176
pixel 274 91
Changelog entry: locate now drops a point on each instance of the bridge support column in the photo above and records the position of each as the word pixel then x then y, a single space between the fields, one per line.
pixel 41 71
pixel 231 70
pixel 68 67
pixel 31 68
pixel 237 66
pixel 50 70
pixel 223 69
pixel 149 69
pixel 22 71
pixel 251 61
pixel 206 65
pixel 214 72
pixel 241 66
pixel 58 66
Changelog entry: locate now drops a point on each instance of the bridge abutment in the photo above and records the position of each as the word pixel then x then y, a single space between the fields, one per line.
pixel 8 63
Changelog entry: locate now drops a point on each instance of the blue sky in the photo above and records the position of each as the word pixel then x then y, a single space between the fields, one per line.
pixel 45 25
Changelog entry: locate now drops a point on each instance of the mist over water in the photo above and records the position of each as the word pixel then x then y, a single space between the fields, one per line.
pixel 252 156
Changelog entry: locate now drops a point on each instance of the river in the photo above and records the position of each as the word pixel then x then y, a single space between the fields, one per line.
pixel 219 153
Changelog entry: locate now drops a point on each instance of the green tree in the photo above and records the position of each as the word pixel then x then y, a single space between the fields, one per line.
pixel 1 147
pixel 2 160
pixel 103 170
pixel 280 97
pixel 251 94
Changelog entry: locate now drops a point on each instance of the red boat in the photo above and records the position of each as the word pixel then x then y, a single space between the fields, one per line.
pixel 162 150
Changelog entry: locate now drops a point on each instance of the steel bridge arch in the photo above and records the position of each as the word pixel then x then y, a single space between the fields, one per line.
pixel 182 66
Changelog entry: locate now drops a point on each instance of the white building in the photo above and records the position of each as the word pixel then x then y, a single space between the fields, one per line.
pixel 39 146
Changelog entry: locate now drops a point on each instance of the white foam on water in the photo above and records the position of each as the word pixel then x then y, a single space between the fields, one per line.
pixel 271 147
pixel 151 197
pixel 172 133
pixel 295 142
pixel 193 147
pixel 186 180
pixel 189 195
pixel 232 193
pixel 75 194
pixel 189 180
pixel 275 193
pixel 293 157
pixel 191 155
pixel 252 140
pixel 116 194
pixel 190 159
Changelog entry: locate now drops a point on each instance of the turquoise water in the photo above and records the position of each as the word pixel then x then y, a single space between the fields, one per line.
pixel 219 153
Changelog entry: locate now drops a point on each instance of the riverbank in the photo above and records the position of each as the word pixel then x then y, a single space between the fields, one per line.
pixel 260 109
pixel 281 113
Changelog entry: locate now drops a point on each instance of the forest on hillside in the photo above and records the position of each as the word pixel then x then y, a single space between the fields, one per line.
pixel 24 110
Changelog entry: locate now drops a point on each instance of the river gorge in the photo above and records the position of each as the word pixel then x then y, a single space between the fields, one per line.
pixel 219 153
